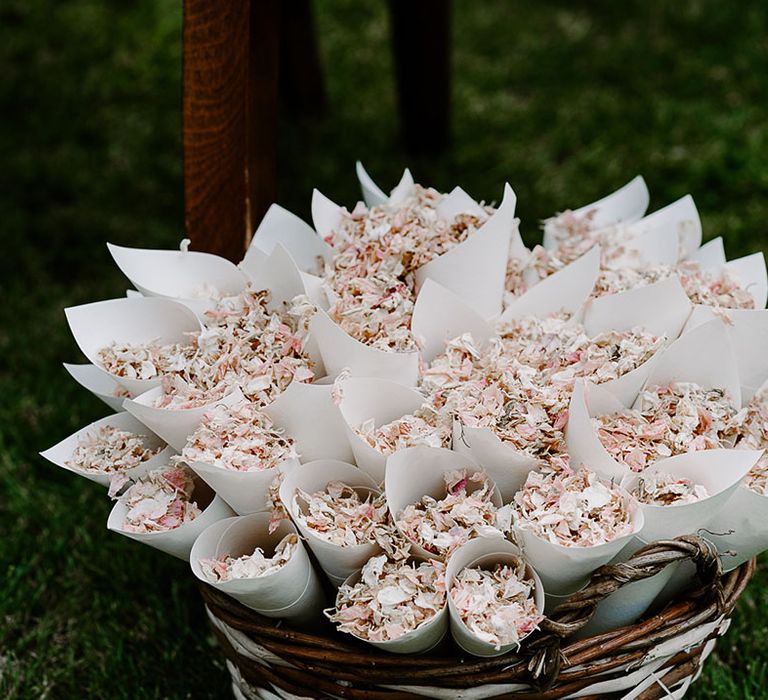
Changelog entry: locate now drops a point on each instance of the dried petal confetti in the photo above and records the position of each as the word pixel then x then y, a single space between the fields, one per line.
pixel 161 500
pixel 668 490
pixel 425 426
pixel 390 600
pixel 377 250
pixel 497 605
pixel 466 511
pixel 572 508
pixel 753 435
pixel 227 568
pixel 239 437
pixel 111 450
pixel 342 516
pixel 670 420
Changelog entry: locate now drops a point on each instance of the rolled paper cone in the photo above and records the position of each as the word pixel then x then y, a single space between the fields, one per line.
pixel 341 351
pixel 336 561
pixel 505 465
pixel 740 530
pixel 475 270
pixel 174 425
pixel 373 195
pixel 308 414
pixel 326 214
pixel 133 294
pixel 483 553
pixel 704 356
pixel 62 452
pixel 750 271
pixel 98 382
pixel 678 220
pixel 149 319
pixel 280 226
pixel 177 274
pixel 566 290
pixel 292 593
pixel 246 492
pixel 711 256
pixel 564 570
pixel 418 641
pixel 748 333
pixel 177 542
pixel 439 316
pixel 625 205
pixel 627 604
pixel 581 437
pixel 661 308
pixel 363 399
pixel 718 471
pixel 627 387
pixel 403 189
pixel 420 471
pixel 656 246
pixel 457 202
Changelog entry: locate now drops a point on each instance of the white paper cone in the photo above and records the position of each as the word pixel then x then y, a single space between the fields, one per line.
pixel 711 256
pixel 552 602
pixel 565 290
pixel 584 446
pixel 425 637
pixel 174 425
pixel 62 452
pixel 718 471
pixel 373 195
pixel 661 308
pixel 564 570
pixel 679 220
pixel 439 316
pixel 656 246
pixel 292 593
pixel 625 205
pixel 475 270
pixel 326 214
pixel 133 294
pixel 246 492
pixel 748 332
pixel 280 226
pixel 177 274
pixel 420 471
pixel 177 542
pixel 98 382
pixel 750 271
pixel 740 530
pixel 631 601
pixel 336 561
pixel 308 414
pixel 627 387
pixel 458 202
pixel 505 465
pixel 704 356
pixel 381 400
pixel 340 351
pixel 97 325
pixel 484 552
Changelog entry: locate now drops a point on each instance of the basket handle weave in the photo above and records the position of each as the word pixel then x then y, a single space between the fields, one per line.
pixel 573 614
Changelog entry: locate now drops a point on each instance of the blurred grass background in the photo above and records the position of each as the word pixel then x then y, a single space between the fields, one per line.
pixel 566 101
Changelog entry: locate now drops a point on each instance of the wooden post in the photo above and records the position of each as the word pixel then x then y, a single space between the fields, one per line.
pixel 422 51
pixel 230 54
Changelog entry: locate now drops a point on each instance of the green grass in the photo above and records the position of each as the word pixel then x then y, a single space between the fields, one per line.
pixel 565 101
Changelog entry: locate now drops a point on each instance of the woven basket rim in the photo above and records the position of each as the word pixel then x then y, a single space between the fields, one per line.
pixel 550 662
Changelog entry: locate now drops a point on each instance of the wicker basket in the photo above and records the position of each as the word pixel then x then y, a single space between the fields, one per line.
pixel 658 657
